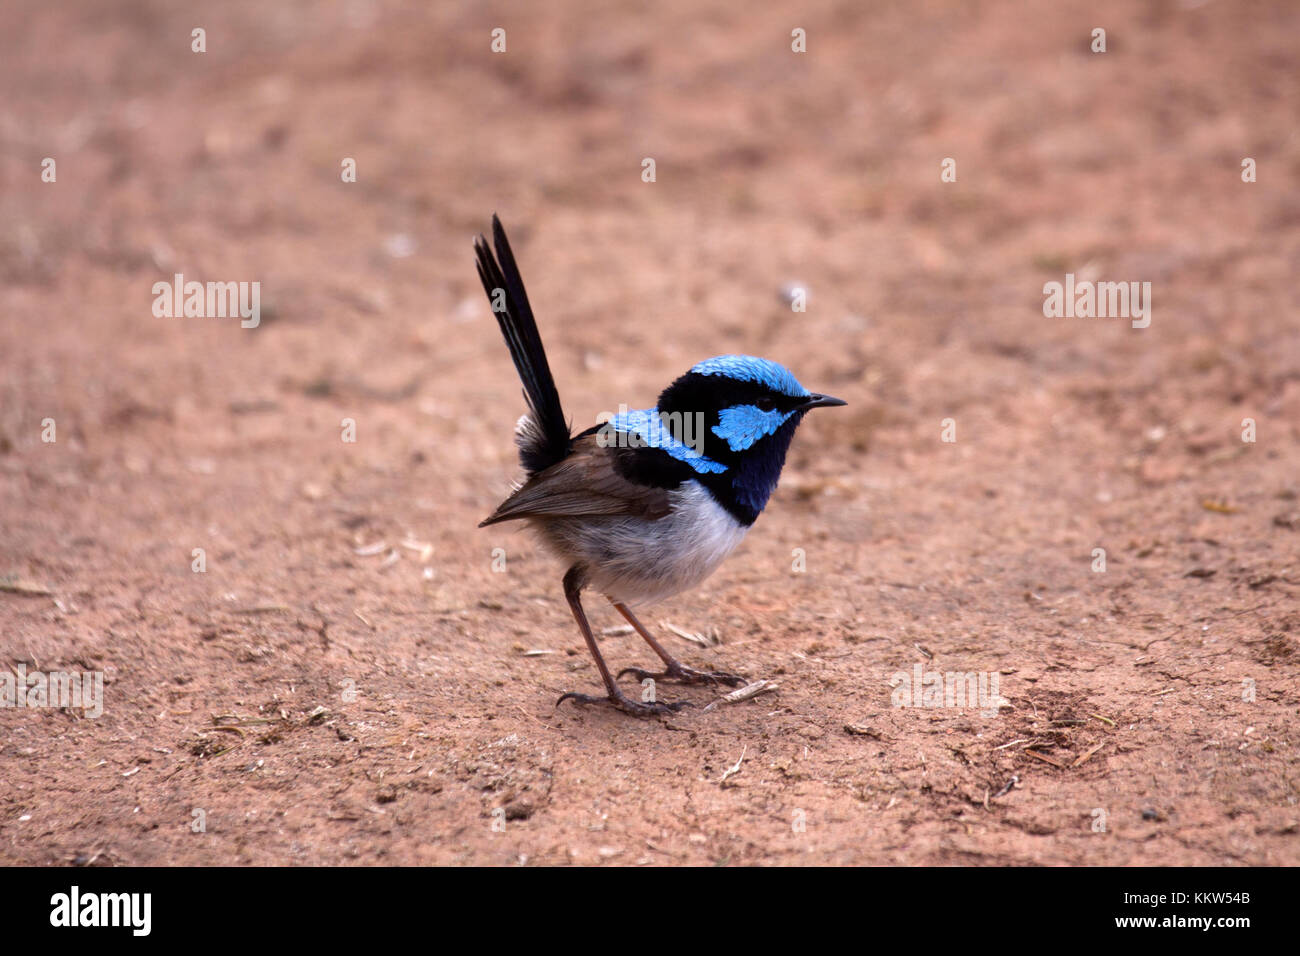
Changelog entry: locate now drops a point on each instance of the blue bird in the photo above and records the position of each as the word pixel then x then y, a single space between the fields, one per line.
pixel 650 502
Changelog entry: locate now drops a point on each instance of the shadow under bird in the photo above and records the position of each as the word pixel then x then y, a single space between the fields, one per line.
pixel 650 503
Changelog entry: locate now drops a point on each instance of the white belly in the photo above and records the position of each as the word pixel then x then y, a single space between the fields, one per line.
pixel 636 561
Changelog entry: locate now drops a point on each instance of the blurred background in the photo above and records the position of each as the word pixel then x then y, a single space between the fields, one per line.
pixel 773 169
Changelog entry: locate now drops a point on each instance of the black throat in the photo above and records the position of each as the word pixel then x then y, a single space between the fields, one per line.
pixel 747 484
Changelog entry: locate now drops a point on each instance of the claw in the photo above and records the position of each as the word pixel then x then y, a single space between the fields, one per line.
pixel 685 675
pixel 626 704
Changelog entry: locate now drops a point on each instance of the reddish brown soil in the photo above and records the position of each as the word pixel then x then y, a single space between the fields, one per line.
pixel 772 167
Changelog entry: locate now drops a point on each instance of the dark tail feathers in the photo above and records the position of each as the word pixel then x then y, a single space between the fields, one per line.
pixel 549 440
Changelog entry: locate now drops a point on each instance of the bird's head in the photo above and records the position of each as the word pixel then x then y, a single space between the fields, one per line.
pixel 740 412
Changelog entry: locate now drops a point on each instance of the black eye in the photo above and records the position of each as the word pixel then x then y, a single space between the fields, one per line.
pixel 765 404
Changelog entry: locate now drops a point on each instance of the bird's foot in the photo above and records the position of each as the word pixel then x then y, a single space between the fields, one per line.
pixel 682 674
pixel 626 704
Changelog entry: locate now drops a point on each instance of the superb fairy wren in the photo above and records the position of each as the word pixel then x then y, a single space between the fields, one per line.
pixel 649 503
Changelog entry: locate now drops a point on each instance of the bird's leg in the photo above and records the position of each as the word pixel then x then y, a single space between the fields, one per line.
pixel 674 669
pixel 572 587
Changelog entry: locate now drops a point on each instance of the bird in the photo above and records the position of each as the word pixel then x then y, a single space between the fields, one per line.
pixel 647 503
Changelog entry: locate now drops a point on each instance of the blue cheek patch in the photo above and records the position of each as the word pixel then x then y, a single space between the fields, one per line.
pixel 742 425
pixel 647 425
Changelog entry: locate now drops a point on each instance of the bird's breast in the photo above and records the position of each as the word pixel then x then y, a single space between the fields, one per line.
pixel 639 561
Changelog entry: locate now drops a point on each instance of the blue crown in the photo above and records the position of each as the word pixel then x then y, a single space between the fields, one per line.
pixel 748 368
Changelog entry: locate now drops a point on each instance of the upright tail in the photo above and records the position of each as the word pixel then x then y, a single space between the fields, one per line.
pixel 546 438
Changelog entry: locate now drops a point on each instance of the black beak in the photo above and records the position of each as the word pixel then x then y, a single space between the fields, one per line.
pixel 821 401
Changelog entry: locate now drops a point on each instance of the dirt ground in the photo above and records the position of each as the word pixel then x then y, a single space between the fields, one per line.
pixel 314 698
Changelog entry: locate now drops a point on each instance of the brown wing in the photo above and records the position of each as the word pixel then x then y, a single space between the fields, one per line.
pixel 587 482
